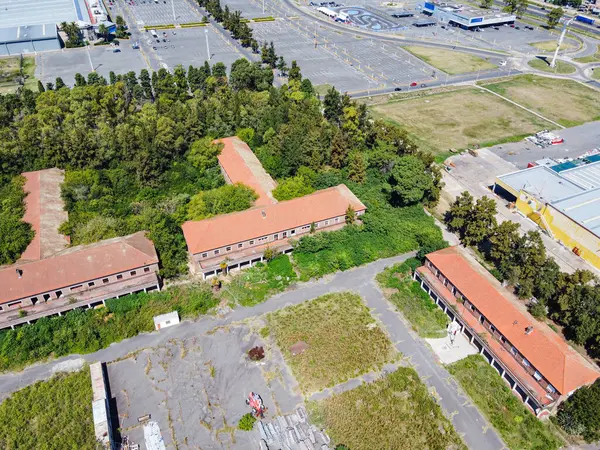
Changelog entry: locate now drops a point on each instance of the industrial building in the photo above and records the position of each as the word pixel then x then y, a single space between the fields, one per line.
pixel 563 199
pixel 240 239
pixel 28 39
pixel 466 17
pixel 537 364
pixel 29 26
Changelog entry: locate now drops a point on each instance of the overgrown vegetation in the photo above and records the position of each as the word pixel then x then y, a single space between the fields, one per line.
pixel 580 413
pixel 15 235
pixel 426 318
pixel 53 415
pixel 519 428
pixel 344 341
pixel 395 412
pixel 86 331
pixel 255 284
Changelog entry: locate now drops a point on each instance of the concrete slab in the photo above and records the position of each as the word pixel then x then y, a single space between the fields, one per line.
pixel 449 352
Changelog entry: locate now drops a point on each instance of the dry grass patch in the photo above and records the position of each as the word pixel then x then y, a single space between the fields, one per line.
pixel 460 118
pixel 565 101
pixel 550 46
pixel 395 412
pixel 449 61
pixel 344 340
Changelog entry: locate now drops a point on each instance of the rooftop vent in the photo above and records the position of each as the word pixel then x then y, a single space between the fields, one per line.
pixel 264 214
pixel 529 330
pixel 19 272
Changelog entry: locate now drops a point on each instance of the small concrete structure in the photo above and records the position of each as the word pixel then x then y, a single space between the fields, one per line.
pixel 166 320
pixel 100 406
pixel 448 352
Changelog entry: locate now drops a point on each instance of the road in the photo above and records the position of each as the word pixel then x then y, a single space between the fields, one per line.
pixel 468 421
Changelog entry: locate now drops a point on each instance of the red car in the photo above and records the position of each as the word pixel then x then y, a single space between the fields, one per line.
pixel 413 84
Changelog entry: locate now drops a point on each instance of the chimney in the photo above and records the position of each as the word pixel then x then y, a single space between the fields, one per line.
pixel 19 272
pixel 264 214
pixel 529 330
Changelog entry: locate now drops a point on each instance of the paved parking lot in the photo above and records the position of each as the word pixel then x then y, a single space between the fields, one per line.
pixel 195 389
pixel 250 9
pixel 188 46
pixel 162 12
pixel 578 140
pixel 68 62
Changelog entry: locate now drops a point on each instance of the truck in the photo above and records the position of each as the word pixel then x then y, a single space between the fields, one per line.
pixel 585 19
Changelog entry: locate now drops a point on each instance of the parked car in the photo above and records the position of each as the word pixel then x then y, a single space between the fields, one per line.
pixel 116 50
pixel 397 89
pixel 502 63
pixel 413 84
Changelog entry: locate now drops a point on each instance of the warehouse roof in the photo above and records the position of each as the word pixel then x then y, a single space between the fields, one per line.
pixel 35 12
pixel 586 175
pixel 28 33
pixel 541 182
pixel 560 364
pixel 241 165
pixel 76 265
pixel 228 229
pixel 582 208
pixel 45 212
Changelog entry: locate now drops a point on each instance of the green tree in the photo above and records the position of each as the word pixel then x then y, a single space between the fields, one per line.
pixel 580 413
pixel 409 181
pixel 294 73
pixel 59 83
pixel 332 106
pixel 480 222
pixel 339 150
pixel 357 167
pixel 289 188
pixel 103 31
pixel 502 244
pixel 553 17
pixel 456 217
pixel 223 200
pixel 15 235
pixel 522 8
pixel 350 215
pixel 203 154
pixel 40 86
pixel 486 3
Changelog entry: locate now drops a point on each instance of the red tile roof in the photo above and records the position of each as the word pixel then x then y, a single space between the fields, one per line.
pixel 228 229
pixel 76 265
pixel 44 210
pixel 558 362
pixel 242 166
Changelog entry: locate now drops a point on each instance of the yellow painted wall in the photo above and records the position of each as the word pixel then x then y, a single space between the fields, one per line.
pixel 572 235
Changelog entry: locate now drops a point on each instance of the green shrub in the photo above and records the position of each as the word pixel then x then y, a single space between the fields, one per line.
pixel 86 331
pixel 247 422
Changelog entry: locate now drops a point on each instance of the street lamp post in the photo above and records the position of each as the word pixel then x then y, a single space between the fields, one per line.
pixel 560 41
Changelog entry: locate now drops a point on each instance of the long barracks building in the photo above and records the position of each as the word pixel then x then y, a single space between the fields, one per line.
pixel 51 278
pixel 538 365
pixel 240 239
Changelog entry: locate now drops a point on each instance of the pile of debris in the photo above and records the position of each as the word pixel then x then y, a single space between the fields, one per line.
pixel 292 432
pixel 545 138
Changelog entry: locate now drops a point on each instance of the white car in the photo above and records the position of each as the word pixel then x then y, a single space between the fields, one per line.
pixel 502 63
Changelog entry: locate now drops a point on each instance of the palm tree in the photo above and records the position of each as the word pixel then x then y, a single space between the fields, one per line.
pixel 103 31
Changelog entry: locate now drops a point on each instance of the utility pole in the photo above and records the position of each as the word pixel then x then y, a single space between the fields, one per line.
pixel 560 41
pixel 207 47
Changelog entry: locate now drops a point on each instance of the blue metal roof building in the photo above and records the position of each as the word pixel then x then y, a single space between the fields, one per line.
pixel 28 39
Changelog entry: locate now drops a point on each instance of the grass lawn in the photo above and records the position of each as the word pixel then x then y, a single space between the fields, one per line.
pixel 54 414
pixel 449 61
pixel 344 340
pixel 10 71
pixel 596 74
pixel 395 412
pixel 427 319
pixel 564 101
pixel 561 67
pixel 550 46
pixel 519 428
pixel 254 285
pixel 591 58
pixel 462 118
